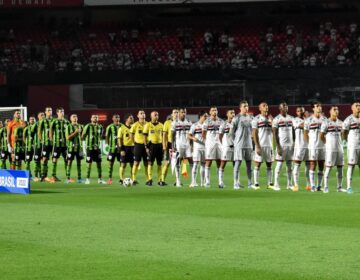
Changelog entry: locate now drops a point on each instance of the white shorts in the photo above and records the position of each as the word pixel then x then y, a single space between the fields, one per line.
pixel 243 154
pixel 198 155
pixel 266 155
pixel 334 158
pixel 301 154
pixel 212 151
pixel 184 151
pixel 287 154
pixel 227 154
pixel 316 154
pixel 353 156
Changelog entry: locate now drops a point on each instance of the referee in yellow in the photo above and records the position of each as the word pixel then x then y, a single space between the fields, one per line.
pixel 126 146
pixel 153 131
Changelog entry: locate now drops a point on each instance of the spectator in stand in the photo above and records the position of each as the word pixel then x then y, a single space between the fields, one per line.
pixel 224 40
pixel 124 35
pixel 112 38
pixel 134 35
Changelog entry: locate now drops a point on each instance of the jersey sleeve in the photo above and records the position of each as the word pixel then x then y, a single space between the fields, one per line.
pixel 146 129
pixel 235 123
pixel 85 131
pixel 173 126
pixel 324 127
pixel 192 129
pixel 254 123
pixel 275 122
pixel 346 124
pixel 119 132
pixel 307 124
pixel 133 128
pixel 222 128
pixel 205 125
pixel 107 131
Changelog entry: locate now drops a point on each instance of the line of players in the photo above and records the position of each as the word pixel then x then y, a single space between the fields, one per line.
pixel 315 140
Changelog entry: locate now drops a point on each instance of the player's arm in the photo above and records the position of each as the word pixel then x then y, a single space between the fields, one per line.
pixel 107 134
pixel 173 135
pixel 85 132
pixel 165 136
pixel 345 130
pixel 70 136
pixel 306 132
pixel 132 133
pixel 51 133
pixel 221 133
pixel 9 131
pixel 255 135
pixel 323 131
pixel 204 131
pixel 119 138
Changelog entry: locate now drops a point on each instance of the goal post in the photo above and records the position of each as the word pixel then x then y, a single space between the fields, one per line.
pixel 8 112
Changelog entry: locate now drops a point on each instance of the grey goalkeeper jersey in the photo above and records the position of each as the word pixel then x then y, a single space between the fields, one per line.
pixel 243 131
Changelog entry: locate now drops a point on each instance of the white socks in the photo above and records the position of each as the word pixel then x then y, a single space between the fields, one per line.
pixel 221 177
pixel 207 175
pixel 277 172
pixel 248 172
pixel 349 175
pixel 296 173
pixel 256 175
pixel 202 174
pixel 307 173
pixel 194 172
pixel 339 176
pixel 236 172
pixel 312 178
pixel 289 173
pixel 269 175
pixel 326 177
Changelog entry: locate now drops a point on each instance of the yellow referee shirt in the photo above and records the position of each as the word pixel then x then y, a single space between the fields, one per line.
pixel 124 136
pixel 154 132
pixel 167 129
pixel 137 129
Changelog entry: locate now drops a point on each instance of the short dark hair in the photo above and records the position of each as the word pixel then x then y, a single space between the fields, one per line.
pixel 315 103
pixel 59 109
pixel 126 116
pixel 201 113
pixel 243 102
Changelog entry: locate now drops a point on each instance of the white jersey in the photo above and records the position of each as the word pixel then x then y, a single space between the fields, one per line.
pixel 333 130
pixel 196 131
pixel 212 128
pixel 181 129
pixel 227 130
pixel 313 125
pixel 285 129
pixel 242 131
pixel 263 125
pixel 352 124
pixel 298 125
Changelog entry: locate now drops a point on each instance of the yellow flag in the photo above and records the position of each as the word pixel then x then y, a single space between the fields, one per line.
pixel 184 172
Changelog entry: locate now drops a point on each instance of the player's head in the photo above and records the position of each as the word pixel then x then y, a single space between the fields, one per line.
pixel 283 108
pixel 355 107
pixel 48 112
pixel 17 115
pixel 300 112
pixel 129 119
pixel 244 107
pixel 74 119
pixel 213 111
pixel 334 112
pixel 32 120
pixel 264 108
pixel 141 115
pixel 202 115
pixel 316 107
pixel 41 115
pixel 182 113
pixel 230 114
pixel 94 119
pixel 60 112
pixel 154 116
pixel 116 119
pixel 174 114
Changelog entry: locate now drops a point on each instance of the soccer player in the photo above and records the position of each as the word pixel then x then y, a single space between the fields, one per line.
pixel 198 153
pixel 316 146
pixel 15 130
pixel 226 137
pixel 263 139
pixel 37 147
pixel 111 139
pixel 167 142
pixel 180 142
pixel 153 131
pixel 29 143
pixel 58 139
pixel 137 137
pixel 4 144
pixel 74 147
pixel 126 146
pixel 243 144
pixel 301 152
pixel 331 135
pixel 282 127
pixel 210 135
pixel 44 137
pixel 352 135
pixel 92 133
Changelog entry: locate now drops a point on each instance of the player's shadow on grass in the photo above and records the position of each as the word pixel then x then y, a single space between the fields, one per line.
pixel 43 192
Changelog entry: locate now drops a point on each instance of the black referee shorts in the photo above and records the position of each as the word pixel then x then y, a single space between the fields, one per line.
pixel 129 154
pixel 156 153
pixel 140 153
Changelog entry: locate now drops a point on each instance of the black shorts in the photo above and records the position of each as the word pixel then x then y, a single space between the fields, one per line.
pixel 37 154
pixel 112 156
pixel 59 151
pixel 156 153
pixel 72 155
pixel 140 153
pixel 4 155
pixel 29 155
pixel 129 154
pixel 19 155
pixel 168 148
pixel 93 155
pixel 46 151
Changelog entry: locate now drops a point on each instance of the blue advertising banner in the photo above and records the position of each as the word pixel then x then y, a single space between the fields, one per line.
pixel 14 181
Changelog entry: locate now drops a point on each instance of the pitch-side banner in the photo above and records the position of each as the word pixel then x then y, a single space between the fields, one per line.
pixel 14 181
pixel 160 2
pixel 40 3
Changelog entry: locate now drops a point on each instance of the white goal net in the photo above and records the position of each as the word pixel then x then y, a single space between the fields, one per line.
pixel 8 112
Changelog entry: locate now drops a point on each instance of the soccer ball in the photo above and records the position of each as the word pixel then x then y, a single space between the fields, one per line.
pixel 127 182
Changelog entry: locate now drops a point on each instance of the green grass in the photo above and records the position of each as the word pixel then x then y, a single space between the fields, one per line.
pixel 110 232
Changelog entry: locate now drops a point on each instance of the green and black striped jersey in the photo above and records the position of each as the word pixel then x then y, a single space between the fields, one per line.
pixel 44 131
pixel 29 138
pixel 57 129
pixel 36 140
pixel 3 139
pixel 74 144
pixel 92 134
pixel 111 135
pixel 19 140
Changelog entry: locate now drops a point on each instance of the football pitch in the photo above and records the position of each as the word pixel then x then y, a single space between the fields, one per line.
pixel 79 231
